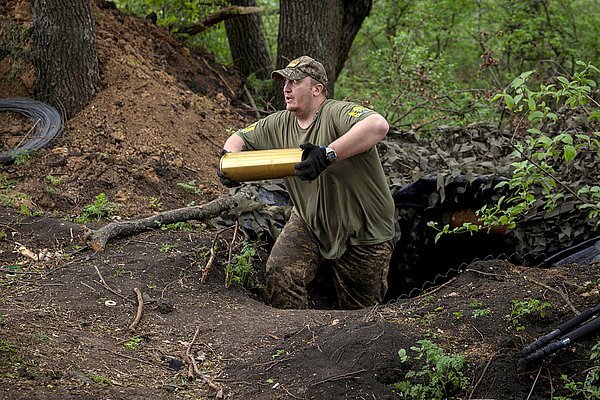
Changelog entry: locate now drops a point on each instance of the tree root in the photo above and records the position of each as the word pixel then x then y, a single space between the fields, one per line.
pixel 98 239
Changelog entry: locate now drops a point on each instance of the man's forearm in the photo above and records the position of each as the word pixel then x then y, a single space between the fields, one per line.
pixel 361 137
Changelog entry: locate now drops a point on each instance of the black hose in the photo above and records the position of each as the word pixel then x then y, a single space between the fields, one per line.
pixel 47 124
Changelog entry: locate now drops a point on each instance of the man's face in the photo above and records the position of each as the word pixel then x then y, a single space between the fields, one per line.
pixel 297 94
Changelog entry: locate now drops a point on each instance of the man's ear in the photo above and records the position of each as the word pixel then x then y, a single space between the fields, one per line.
pixel 318 89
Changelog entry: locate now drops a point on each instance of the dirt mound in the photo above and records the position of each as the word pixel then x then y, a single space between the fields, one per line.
pixel 150 136
pixel 150 140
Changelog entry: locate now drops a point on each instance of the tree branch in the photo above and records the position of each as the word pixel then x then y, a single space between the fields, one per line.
pixel 219 16
pixel 98 239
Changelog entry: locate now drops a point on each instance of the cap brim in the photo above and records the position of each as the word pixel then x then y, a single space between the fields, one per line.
pixel 288 73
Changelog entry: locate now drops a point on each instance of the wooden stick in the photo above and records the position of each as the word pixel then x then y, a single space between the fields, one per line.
pixel 140 309
pixel 230 253
pixel 534 382
pixel 220 77
pixel 557 291
pixel 219 16
pixel 126 356
pixel 196 370
pixel 341 376
pixel 213 253
pixel 105 286
pixel 251 100
pixel 98 239
pixel 481 377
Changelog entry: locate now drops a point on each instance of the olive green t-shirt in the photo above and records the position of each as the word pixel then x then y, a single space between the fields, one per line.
pixel 350 202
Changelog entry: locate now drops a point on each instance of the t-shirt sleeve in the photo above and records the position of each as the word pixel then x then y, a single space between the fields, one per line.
pixel 258 136
pixel 349 114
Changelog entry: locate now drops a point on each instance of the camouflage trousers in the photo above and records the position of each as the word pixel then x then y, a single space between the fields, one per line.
pixel 359 276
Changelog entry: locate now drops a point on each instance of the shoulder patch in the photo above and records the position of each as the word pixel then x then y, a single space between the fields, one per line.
pixel 357 111
pixel 249 128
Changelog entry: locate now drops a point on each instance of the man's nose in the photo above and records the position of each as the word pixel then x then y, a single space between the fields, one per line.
pixel 286 86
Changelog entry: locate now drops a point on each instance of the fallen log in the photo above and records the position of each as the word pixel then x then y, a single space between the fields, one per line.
pixel 99 238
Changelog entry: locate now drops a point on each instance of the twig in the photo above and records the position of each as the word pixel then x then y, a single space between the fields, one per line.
pixel 278 361
pixel 338 377
pixel 213 254
pixel 140 309
pixel 430 292
pixel 251 100
pixel 557 291
pixel 230 253
pixel 375 338
pixel 220 77
pixel 534 382
pixel 235 230
pixel 126 356
pixel 11 271
pixel 98 239
pixel 481 377
pixel 105 286
pixel 193 369
pixel 487 273
pixel 82 258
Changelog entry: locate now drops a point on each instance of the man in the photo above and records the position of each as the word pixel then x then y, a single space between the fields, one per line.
pixel 343 209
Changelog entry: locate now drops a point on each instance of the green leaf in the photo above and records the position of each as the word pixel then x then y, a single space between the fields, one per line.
pixel 569 153
pixel 531 104
pixel 510 102
pixel 496 97
pixel 402 355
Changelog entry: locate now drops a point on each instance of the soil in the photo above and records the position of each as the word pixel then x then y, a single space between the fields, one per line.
pixel 150 141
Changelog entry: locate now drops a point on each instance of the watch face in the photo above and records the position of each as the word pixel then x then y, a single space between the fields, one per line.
pixel 331 154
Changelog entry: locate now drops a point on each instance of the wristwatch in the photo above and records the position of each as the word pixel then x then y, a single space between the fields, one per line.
pixel 330 153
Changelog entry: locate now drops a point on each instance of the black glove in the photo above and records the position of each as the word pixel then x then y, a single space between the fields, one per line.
pixel 314 162
pixel 224 181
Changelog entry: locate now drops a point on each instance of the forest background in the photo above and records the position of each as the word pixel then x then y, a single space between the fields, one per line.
pixel 428 62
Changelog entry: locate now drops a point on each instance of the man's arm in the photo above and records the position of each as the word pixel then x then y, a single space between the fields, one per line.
pixel 234 144
pixel 361 137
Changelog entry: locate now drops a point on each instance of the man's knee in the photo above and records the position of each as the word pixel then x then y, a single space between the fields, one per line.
pixel 360 276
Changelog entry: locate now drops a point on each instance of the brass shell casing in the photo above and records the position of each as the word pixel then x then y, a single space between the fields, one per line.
pixel 260 164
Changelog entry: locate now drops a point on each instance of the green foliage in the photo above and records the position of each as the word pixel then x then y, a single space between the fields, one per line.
pixel 176 14
pixel 426 62
pixel 100 379
pixel 521 308
pixel 9 197
pixel 479 309
pixel 589 388
pixel 6 346
pixel 440 377
pixel 240 269
pixel 278 353
pixel 166 248
pixel 190 186
pixel 155 203
pixel 133 343
pixel 100 208
pixel 21 157
pixel 542 159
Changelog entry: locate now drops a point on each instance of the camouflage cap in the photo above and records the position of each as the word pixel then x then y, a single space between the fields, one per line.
pixel 300 68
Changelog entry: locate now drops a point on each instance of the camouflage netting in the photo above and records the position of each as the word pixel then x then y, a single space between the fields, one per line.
pixel 464 164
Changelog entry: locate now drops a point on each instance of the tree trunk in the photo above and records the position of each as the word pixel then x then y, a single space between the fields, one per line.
pixel 64 53
pixel 247 44
pixel 322 31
